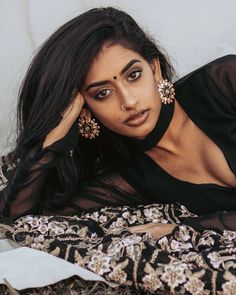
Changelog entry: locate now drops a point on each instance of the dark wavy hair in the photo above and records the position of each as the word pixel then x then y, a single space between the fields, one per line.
pixel 56 73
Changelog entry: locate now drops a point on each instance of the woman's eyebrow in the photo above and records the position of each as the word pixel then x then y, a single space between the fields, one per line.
pixel 126 67
pixel 129 64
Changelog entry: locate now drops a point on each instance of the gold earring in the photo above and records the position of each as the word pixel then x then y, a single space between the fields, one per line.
pixel 167 91
pixel 88 128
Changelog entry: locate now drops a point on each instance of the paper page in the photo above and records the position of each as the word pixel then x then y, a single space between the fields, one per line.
pixel 7 245
pixel 28 268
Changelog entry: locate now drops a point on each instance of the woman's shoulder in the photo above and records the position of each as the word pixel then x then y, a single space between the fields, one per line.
pixel 211 85
pixel 217 68
pixel 223 67
pixel 227 60
pixel 220 72
pixel 221 76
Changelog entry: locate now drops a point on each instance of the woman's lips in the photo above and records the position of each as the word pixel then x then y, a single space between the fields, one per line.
pixel 139 119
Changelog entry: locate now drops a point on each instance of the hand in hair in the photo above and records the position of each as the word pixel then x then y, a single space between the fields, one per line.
pixel 70 115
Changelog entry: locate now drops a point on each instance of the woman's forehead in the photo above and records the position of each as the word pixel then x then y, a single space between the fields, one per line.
pixel 110 60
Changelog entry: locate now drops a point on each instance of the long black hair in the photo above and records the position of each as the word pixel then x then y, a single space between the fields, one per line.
pixel 57 72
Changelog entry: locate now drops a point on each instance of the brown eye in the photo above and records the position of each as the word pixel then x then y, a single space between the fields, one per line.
pixel 102 94
pixel 135 75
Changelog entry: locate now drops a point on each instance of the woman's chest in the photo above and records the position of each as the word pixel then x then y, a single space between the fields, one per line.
pixel 198 160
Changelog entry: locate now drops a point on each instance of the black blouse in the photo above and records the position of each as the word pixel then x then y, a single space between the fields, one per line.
pixel 208 96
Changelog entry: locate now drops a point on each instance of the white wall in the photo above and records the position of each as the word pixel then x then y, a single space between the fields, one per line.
pixel 192 32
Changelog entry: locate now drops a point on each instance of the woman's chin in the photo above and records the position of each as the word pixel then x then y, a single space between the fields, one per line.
pixel 142 133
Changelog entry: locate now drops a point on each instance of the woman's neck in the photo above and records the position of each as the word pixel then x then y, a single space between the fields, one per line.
pixel 171 139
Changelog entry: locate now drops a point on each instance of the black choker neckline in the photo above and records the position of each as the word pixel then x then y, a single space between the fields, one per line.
pixel 165 116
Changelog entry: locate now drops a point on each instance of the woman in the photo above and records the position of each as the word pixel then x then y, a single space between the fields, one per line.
pixel 100 124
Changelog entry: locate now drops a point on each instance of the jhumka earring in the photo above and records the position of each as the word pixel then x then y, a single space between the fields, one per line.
pixel 167 91
pixel 88 128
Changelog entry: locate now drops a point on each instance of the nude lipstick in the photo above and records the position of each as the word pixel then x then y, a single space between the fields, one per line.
pixel 137 118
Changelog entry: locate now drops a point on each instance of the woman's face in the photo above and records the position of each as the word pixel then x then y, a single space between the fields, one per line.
pixel 120 83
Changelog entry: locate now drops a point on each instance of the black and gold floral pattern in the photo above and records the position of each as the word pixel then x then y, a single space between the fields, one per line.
pixel 183 262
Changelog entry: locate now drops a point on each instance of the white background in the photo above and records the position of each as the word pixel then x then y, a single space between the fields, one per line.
pixel 192 32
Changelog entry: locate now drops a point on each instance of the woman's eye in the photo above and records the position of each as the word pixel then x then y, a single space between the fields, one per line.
pixel 134 75
pixel 102 94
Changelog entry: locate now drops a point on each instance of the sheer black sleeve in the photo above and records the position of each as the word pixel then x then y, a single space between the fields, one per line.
pixel 223 74
pixel 20 192
pixel 218 221
pixel 108 189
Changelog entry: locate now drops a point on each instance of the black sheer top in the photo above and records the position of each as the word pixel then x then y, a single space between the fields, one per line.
pixel 208 96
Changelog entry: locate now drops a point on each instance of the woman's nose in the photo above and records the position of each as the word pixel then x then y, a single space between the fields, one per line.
pixel 128 100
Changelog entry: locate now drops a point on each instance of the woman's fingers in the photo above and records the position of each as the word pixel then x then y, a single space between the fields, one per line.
pixel 70 114
pixel 74 108
pixel 143 226
pixel 155 229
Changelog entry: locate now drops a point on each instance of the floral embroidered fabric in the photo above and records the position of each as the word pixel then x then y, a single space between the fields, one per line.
pixel 183 262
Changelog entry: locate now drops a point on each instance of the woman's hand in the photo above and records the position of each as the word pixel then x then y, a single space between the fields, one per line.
pixel 157 230
pixel 69 116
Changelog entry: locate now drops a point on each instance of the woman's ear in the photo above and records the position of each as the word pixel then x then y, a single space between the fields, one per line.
pixel 85 112
pixel 156 69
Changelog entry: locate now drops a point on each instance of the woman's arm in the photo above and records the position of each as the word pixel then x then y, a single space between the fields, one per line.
pixel 21 195
pixel 22 192
pixel 218 221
